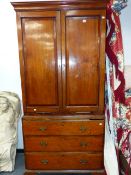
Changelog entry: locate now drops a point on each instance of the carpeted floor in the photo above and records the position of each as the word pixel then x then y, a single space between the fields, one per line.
pixel 19 167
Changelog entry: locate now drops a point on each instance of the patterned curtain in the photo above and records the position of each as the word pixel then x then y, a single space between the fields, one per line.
pixel 117 124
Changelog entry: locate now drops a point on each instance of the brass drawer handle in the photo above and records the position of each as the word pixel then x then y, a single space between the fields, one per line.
pixel 43 143
pixel 83 128
pixel 43 129
pixel 44 162
pixel 83 161
pixel 83 144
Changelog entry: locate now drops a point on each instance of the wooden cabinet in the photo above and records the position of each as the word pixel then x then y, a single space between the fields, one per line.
pixel 62 64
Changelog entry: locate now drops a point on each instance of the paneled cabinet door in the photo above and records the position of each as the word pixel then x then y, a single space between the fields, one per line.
pixel 83 60
pixel 40 57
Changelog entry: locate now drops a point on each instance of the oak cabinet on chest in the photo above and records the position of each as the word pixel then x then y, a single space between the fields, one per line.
pixel 62 62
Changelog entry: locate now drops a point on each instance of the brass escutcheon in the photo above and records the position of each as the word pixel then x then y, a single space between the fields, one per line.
pixel 83 161
pixel 83 128
pixel 44 161
pixel 43 143
pixel 43 129
pixel 83 144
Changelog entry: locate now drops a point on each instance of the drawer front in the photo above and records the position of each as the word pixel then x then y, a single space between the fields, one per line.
pixel 64 143
pixel 64 161
pixel 60 127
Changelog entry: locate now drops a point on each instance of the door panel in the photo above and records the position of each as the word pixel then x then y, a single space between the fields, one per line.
pixel 42 73
pixel 82 50
pixel 82 60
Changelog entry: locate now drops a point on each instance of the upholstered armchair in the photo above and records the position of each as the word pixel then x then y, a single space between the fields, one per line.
pixel 9 114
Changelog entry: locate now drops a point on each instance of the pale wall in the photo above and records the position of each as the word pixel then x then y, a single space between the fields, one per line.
pixel 9 59
pixel 126 31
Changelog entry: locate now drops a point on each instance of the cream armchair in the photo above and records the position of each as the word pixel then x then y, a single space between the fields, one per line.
pixel 9 113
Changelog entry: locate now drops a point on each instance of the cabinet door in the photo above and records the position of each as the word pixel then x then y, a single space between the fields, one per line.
pixel 39 38
pixel 83 62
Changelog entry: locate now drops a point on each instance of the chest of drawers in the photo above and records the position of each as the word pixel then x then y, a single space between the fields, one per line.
pixel 61 144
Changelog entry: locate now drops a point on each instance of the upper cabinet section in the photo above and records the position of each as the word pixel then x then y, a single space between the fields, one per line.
pixel 62 55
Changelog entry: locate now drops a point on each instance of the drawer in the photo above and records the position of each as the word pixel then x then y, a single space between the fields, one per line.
pixel 60 127
pixel 64 161
pixel 63 143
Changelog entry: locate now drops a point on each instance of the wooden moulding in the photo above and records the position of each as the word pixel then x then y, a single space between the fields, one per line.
pixel 58 4
pixel 62 117
pixel 100 172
